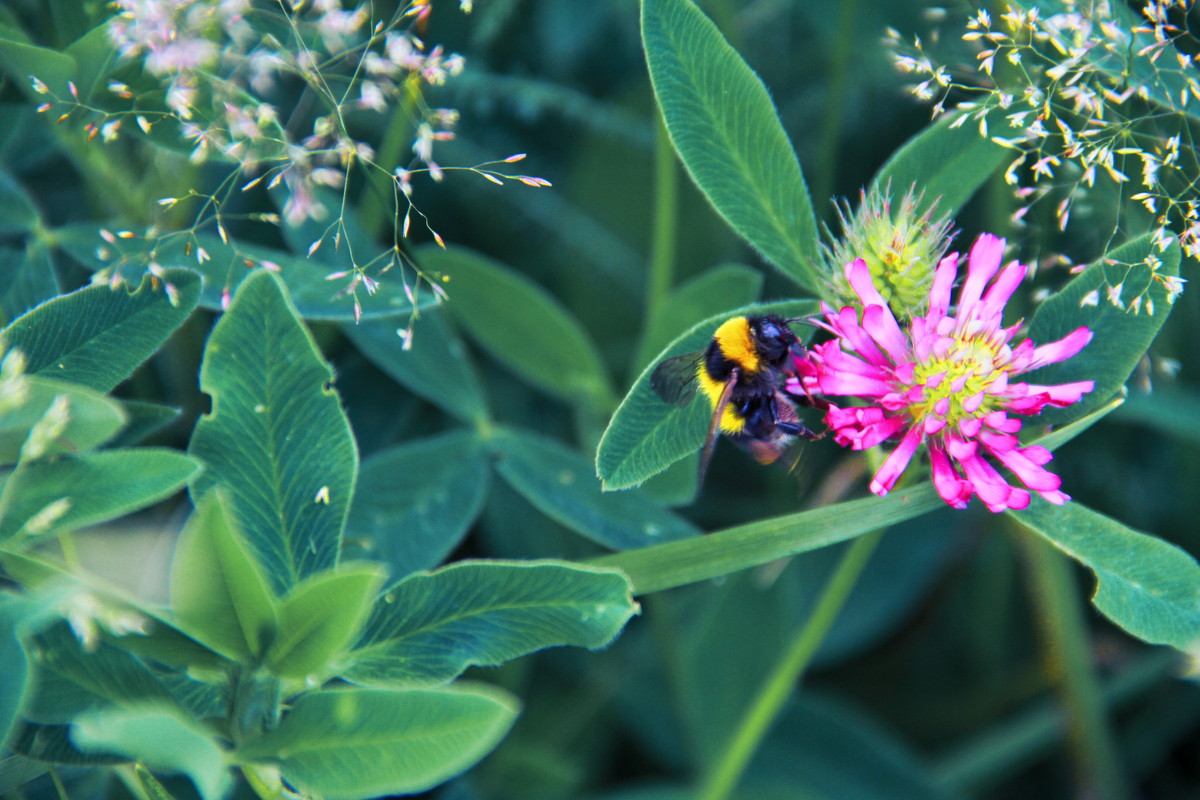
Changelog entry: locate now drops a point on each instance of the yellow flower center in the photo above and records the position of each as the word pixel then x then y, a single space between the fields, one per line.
pixel 959 379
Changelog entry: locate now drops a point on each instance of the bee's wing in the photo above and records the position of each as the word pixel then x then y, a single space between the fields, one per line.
pixel 714 427
pixel 674 379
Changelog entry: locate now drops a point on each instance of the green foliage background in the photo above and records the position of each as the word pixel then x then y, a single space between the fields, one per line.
pixel 944 675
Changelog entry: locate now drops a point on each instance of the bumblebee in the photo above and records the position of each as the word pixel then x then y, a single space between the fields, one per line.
pixel 742 373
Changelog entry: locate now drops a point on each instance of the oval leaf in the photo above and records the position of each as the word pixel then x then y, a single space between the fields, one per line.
pixel 646 434
pixel 276 438
pixel 1122 299
pixel 944 163
pixel 437 367
pixel 320 616
pixel 1149 587
pixel 71 678
pixel 729 137
pixel 98 335
pixel 26 277
pixel 562 485
pixel 352 744
pixel 92 418
pixel 491 612
pixel 522 325
pixel 19 214
pixel 14 615
pixel 70 493
pixel 414 503
pixel 219 595
pixel 159 737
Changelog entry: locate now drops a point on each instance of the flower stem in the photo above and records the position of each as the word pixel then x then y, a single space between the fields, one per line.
pixel 59 787
pixel 721 780
pixel 1069 662
pixel 376 204
pixel 666 202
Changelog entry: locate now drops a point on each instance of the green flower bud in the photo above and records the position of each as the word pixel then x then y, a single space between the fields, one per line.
pixel 901 246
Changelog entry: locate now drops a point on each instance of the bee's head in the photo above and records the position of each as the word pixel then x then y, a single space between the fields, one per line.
pixel 773 338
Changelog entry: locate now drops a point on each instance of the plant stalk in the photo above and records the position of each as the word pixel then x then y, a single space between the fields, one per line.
pixel 666 217
pixel 722 779
pixel 1068 660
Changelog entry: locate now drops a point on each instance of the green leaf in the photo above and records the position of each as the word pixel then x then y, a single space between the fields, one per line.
pixel 314 295
pixel 98 335
pixel 150 785
pixel 26 280
pixel 711 292
pixel 20 60
pixel 143 419
pixel 70 678
pixel 160 738
pixel 646 434
pixel 522 325
pixel 92 418
pixel 16 771
pixel 93 488
pixel 427 629
pixel 727 133
pixel 665 566
pixel 95 57
pixel 353 744
pixel 562 484
pixel 320 617
pixel 414 503
pixel 832 750
pixel 945 163
pixel 52 744
pixel 277 438
pixel 1122 331
pixel 18 214
pixel 437 368
pixel 1149 587
pixel 219 595
pixel 14 616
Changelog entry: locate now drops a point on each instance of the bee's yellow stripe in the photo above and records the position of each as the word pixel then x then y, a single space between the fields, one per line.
pixel 731 421
pixel 736 343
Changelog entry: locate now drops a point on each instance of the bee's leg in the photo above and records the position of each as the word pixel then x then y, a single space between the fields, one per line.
pixel 788 422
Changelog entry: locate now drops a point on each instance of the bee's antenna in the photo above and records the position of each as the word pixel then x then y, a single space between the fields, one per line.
pixel 803 320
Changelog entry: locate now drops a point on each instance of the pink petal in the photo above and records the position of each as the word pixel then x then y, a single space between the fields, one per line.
pixel 960 449
pixel 859 276
pixel 858 339
pixel 1058 498
pixel 991 487
pixel 1029 473
pixel 999 293
pixel 1018 499
pixel 943 282
pixel 1063 394
pixel 970 427
pixel 981 266
pixel 950 487
pixel 893 466
pixel 1021 356
pixel 1061 350
pixel 883 328
pixel 851 385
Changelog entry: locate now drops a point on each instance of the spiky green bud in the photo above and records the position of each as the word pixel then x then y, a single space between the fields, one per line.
pixel 901 245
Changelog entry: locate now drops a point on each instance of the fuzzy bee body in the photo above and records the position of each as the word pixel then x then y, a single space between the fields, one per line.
pixel 742 373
